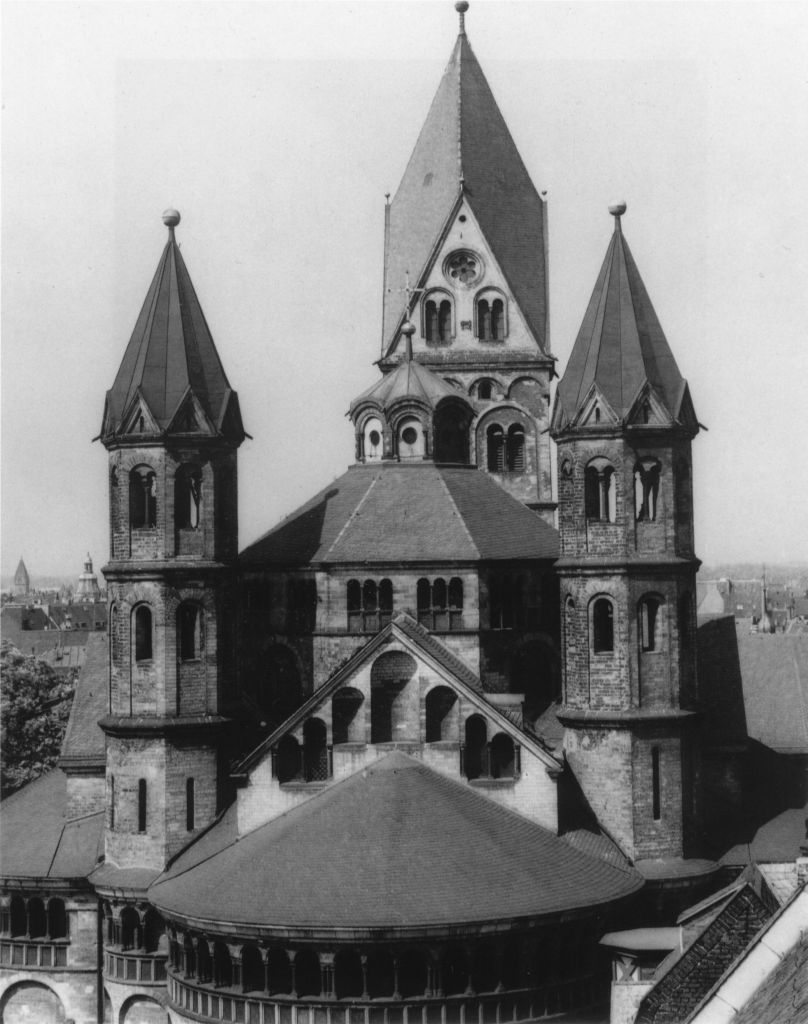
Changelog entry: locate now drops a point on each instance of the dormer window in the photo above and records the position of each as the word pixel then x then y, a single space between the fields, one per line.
pixel 490 314
pixel 438 319
pixel 410 439
pixel 372 440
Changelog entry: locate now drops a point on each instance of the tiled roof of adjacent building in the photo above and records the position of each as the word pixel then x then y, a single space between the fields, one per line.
pixel 171 359
pixel 38 840
pixel 774 672
pixel 783 996
pixel 394 846
pixel 84 744
pixel 465 147
pixel 399 512
pixel 621 346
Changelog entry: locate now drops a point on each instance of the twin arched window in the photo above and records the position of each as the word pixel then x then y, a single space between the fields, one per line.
pixel 142 498
pixel 370 605
pixel 491 324
pixel 599 491
pixel 505 452
pixel 498 759
pixel 438 318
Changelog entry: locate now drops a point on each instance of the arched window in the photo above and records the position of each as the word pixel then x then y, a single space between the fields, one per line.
pixel 307 973
pixel 491 318
pixel 455 603
pixel 142 498
pixel 143 633
pixel 372 437
pixel 385 602
pixel 485 390
pixel 130 928
pixel 650 624
pixel 190 809
pixel 19 920
pixel 154 935
pixel 599 491
pixel 495 448
pixel 188 497
pixel 497 320
pixel 381 974
pixel 222 966
pixel 602 626
pixel 451 434
pixel 279 972
pixel 204 964
pixel 646 490
pixel 348 977
pixel 252 970
pixel 57 919
pixel 503 757
pixel 423 596
pixel 347 717
pixel 445 320
pixel 315 751
pixel 370 605
pixel 37 919
pixel 289 760
pixel 412 974
pixel 475 754
pixel 141 805
pixel 389 676
pixel 189 627
pixel 410 437
pixel 439 704
pixel 438 318
pixel 188 957
pixel 515 452
pixel 354 592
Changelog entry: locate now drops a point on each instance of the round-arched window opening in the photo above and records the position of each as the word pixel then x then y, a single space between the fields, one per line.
pixel 409 435
pixel 374 437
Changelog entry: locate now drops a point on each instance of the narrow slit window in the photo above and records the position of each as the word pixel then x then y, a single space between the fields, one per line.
pixel 190 810
pixel 141 805
pixel 143 634
pixel 603 626
pixel 656 810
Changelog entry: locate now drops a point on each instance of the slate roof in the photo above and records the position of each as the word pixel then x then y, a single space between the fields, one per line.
pixel 170 355
pixel 37 840
pixel 775 841
pixel 465 143
pixel 84 742
pixel 783 996
pixel 774 673
pixel 409 380
pixel 620 346
pixel 397 512
pixel 394 846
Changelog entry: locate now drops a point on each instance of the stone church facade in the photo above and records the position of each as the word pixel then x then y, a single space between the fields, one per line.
pixel 408 756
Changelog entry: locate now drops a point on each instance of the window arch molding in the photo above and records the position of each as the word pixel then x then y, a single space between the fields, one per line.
pixel 490 314
pixel 410 435
pixel 142 626
pixel 486 389
pixel 600 486
pixel 438 316
pixel 371 434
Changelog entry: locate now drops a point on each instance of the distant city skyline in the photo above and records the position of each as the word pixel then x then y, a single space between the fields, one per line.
pixel 276 129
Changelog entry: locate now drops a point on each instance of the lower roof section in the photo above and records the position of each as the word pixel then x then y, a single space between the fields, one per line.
pixel 394 849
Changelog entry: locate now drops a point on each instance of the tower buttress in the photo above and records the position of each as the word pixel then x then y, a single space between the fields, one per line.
pixel 172 427
pixel 623 422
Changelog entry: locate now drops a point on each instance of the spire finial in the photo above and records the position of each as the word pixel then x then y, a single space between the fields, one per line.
pixel 461 7
pixel 408 327
pixel 171 219
pixel 617 210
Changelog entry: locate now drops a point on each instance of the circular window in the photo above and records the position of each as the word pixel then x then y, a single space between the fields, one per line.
pixel 374 437
pixel 463 267
pixel 409 435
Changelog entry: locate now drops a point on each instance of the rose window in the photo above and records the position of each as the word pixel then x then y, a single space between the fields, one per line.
pixel 463 267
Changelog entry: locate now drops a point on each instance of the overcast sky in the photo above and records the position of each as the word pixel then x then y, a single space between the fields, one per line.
pixel 277 128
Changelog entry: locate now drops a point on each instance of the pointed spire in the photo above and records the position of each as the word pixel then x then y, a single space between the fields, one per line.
pixel 466 150
pixel 171 362
pixel 621 347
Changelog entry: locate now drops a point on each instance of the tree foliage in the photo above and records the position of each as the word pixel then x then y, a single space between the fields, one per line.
pixel 35 707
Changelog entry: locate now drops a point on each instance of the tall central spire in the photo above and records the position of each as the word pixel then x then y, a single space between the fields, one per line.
pixel 465 150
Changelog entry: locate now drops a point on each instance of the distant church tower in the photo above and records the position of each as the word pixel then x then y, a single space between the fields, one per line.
pixel 468 230
pixel 87 588
pixel 172 427
pixel 623 422
pixel 22 582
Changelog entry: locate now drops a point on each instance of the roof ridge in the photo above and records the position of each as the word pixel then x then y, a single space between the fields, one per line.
pixel 353 514
pixel 451 497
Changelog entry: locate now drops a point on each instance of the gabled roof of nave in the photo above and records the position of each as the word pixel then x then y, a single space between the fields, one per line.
pixel 441 514
pixel 465 146
pixel 171 358
pixel 621 347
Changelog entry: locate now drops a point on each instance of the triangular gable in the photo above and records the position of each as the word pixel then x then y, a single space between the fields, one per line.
pixel 190 417
pixel 685 412
pixel 421 644
pixel 139 419
pixel 230 423
pixel 595 410
pixel 648 409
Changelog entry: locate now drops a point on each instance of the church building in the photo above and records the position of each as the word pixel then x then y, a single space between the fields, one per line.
pixel 407 757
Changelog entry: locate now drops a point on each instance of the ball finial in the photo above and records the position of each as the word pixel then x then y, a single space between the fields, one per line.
pixel 461 7
pixel 408 328
pixel 618 209
pixel 171 218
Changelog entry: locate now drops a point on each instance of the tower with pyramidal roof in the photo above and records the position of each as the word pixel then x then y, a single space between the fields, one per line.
pixel 623 422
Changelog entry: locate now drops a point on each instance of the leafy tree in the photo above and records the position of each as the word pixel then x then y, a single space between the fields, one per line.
pixel 35 708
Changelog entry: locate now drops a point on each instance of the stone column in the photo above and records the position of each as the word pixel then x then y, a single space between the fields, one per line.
pixel 327 975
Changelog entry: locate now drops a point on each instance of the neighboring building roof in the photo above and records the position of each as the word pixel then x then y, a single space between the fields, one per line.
pixel 64 659
pixel 171 361
pixel 690 976
pixel 394 846
pixel 783 996
pixel 37 840
pixel 465 147
pixel 621 347
pixel 411 381
pixel 84 742
pixel 774 672
pixel 776 841
pixel 407 512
